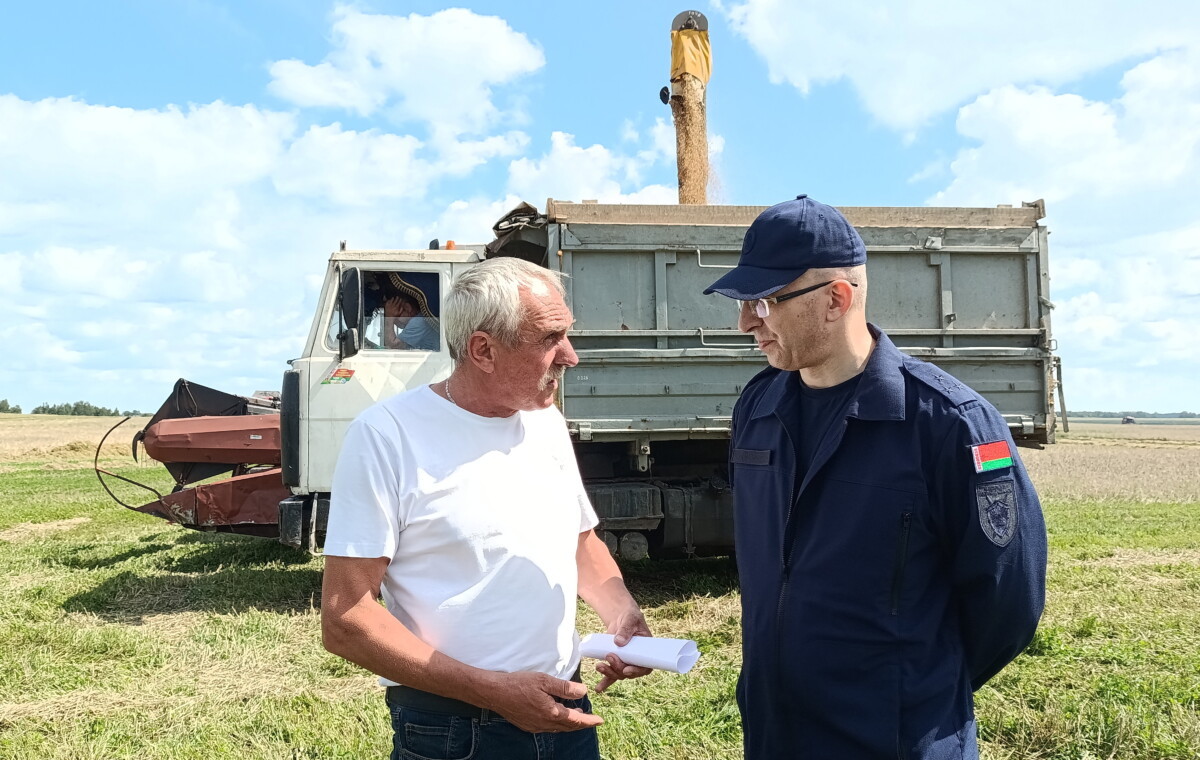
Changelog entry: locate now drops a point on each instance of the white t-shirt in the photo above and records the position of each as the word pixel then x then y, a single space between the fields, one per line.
pixel 480 518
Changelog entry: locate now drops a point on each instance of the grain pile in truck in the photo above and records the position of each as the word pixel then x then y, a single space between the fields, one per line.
pixel 660 365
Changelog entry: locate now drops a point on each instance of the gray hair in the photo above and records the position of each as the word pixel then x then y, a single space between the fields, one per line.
pixel 487 298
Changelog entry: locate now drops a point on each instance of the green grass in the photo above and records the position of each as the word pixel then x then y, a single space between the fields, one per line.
pixel 124 636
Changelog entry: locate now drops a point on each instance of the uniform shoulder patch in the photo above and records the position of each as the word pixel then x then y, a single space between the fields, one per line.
pixel 991 456
pixel 996 502
pixel 940 381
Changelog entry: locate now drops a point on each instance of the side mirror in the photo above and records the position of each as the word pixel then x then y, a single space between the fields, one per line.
pixel 350 303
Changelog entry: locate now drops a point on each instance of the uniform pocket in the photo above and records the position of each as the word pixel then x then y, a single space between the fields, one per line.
pixel 859 539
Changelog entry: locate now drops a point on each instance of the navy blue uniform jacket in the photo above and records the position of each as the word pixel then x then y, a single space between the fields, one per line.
pixel 892 582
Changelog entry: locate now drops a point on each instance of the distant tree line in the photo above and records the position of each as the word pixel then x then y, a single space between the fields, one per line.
pixel 78 409
pixel 1147 415
pixel 7 408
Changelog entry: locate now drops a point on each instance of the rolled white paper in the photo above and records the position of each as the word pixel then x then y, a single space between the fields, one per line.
pixel 673 655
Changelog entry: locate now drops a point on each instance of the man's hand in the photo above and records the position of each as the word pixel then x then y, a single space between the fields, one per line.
pixel 527 701
pixel 613 668
pixel 393 307
pixel 603 588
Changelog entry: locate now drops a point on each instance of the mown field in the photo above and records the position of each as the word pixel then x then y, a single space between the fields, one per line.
pixel 123 636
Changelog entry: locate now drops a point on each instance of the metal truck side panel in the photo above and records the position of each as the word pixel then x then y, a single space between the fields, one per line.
pixel 962 288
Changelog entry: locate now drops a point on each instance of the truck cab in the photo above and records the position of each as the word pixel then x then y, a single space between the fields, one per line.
pixel 352 359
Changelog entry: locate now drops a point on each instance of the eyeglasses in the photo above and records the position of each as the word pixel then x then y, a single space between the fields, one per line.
pixel 762 306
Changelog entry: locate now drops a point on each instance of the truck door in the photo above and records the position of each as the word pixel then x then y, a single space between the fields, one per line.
pixel 402 346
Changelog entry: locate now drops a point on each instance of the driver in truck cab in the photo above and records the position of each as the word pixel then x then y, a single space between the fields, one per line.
pixel 461 505
pixel 407 323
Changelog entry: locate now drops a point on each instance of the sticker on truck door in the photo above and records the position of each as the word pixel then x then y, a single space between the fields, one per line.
pixel 339 376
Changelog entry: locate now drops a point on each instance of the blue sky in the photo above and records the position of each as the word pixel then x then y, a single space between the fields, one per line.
pixel 173 175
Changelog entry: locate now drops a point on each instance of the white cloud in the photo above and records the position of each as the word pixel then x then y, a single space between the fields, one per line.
pixel 323 85
pixel 352 167
pixel 360 168
pixel 213 278
pixel 1140 310
pixel 140 245
pixel 932 170
pixel 153 227
pixel 458 157
pixel 1117 177
pixel 909 62
pixel 43 348
pixel 161 172
pixel 141 151
pixel 106 329
pixel 1034 143
pixel 1089 322
pixel 662 142
pixel 1069 272
pixel 11 264
pixel 16 215
pixel 104 272
pixel 438 69
pixel 470 221
pixel 1179 338
pixel 570 172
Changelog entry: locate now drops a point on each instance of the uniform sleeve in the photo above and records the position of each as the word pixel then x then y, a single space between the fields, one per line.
pixel 997 540
pixel 364 506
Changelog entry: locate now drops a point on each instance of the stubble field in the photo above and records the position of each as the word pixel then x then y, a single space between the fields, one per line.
pixel 124 636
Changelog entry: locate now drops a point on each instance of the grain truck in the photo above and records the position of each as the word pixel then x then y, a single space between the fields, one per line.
pixel 660 365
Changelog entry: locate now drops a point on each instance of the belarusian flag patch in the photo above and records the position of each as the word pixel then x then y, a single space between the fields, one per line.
pixel 991 456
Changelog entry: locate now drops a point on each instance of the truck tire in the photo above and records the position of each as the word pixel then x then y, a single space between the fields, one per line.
pixel 634 546
pixel 610 541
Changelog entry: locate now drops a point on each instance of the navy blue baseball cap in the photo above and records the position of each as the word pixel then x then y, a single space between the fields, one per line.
pixel 787 240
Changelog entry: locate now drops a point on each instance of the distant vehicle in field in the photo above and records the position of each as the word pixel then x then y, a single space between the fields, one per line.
pixel 1128 420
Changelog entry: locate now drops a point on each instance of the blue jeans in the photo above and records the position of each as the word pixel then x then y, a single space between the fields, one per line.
pixel 422 735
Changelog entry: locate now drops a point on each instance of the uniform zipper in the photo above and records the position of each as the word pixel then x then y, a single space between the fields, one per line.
pixel 789 539
pixel 901 561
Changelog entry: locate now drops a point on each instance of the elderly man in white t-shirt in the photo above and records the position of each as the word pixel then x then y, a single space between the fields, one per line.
pixel 461 504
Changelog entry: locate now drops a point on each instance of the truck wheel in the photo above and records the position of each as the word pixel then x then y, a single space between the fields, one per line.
pixel 610 541
pixel 634 546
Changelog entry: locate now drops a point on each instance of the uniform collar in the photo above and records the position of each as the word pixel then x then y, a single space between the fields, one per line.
pixel 879 396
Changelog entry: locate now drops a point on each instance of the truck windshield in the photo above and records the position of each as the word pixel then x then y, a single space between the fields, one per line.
pixel 402 312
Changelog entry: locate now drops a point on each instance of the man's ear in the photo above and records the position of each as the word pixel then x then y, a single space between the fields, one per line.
pixel 481 351
pixel 841 298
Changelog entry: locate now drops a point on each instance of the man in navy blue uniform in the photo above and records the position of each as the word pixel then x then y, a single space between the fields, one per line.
pixel 891 548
